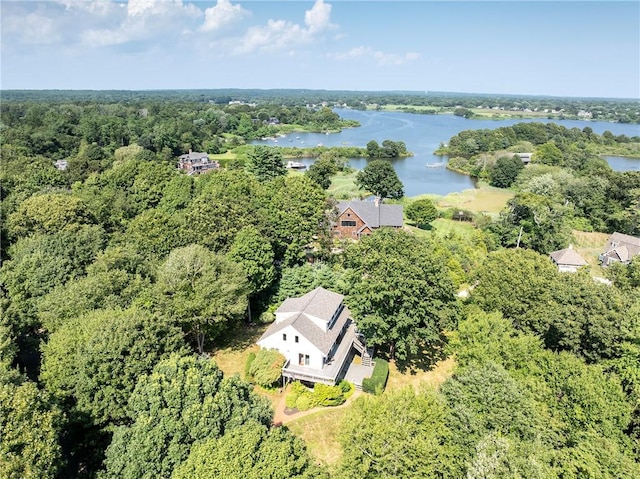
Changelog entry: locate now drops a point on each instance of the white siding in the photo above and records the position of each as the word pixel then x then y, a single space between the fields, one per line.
pixel 292 350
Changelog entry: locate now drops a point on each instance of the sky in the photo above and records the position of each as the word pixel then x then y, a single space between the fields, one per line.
pixel 561 48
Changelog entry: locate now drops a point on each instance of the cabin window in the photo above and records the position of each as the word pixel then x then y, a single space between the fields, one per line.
pixel 347 223
pixel 296 339
pixel 284 337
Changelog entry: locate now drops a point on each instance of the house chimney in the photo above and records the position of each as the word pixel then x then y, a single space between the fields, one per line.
pixel 190 151
pixel 570 246
pixel 376 201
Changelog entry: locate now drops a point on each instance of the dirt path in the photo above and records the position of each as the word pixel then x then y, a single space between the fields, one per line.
pixel 281 418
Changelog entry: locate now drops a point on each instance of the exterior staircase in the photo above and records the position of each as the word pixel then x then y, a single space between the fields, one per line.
pixel 365 353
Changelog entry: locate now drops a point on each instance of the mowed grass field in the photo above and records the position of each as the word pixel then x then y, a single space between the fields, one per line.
pixel 343 186
pixel 485 199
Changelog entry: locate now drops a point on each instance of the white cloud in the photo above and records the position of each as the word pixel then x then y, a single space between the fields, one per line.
pixel 222 14
pixel 318 18
pixel 279 34
pixel 381 58
pixel 97 7
pixel 146 20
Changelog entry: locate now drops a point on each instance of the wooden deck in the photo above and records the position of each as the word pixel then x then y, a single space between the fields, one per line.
pixel 332 372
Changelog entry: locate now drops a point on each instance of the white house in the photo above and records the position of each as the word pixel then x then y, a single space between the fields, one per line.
pixel 316 335
pixel 567 260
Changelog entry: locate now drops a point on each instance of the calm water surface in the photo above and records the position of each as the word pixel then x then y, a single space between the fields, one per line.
pixel 423 134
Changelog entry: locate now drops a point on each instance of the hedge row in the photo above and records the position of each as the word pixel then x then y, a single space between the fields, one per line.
pixel 378 380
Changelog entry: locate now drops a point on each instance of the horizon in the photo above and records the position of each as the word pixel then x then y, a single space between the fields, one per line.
pixel 561 49
pixel 446 94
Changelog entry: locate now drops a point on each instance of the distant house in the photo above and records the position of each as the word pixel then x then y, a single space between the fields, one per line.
pixel 568 260
pixel 620 248
pixel 357 218
pixel 316 335
pixel 195 163
pixel 525 157
pixel 61 165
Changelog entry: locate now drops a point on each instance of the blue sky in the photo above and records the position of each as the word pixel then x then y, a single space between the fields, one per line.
pixel 561 48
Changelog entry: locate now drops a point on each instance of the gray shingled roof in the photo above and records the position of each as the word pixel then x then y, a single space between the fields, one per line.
pixel 569 257
pixel 624 246
pixel 320 303
pixel 374 215
pixel 193 156
pixel 620 238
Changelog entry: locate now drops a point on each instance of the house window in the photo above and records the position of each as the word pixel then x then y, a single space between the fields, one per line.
pixel 347 223
pixel 284 337
pixel 296 339
pixel 303 360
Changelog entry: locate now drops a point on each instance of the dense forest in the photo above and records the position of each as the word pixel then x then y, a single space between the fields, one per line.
pixel 121 274
pixel 602 109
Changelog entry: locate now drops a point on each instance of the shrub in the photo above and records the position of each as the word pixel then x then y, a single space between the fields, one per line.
pixel 346 386
pixel 247 366
pixel 378 380
pixel 324 395
pixel 304 402
pixel 296 390
pixel 302 398
pixel 266 368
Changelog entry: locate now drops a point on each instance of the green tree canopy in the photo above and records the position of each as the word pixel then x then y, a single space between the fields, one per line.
pixel 266 163
pixel 504 173
pixel 380 178
pixel 97 359
pixel 30 427
pixel 254 253
pixel 401 295
pixel 297 216
pixel 321 170
pixel 251 451
pixel 422 211
pixel 184 401
pixel 400 434
pixel 201 290
pixel 266 368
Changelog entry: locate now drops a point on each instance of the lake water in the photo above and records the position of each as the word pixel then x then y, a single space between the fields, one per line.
pixel 423 134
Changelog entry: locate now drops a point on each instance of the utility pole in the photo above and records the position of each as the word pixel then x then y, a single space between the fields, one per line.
pixel 519 237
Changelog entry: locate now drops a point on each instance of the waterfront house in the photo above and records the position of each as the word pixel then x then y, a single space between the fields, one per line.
pixel 357 218
pixel 195 163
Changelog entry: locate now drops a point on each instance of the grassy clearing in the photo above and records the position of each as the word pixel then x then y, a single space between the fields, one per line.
pixel 343 186
pixel 589 246
pixel 417 376
pixel 483 113
pixel 443 226
pixel 485 199
pixel 232 354
pixel 320 433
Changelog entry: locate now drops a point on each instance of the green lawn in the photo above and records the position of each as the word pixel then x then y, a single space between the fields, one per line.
pixel 443 226
pixel 343 186
pixel 320 433
pixel 485 199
